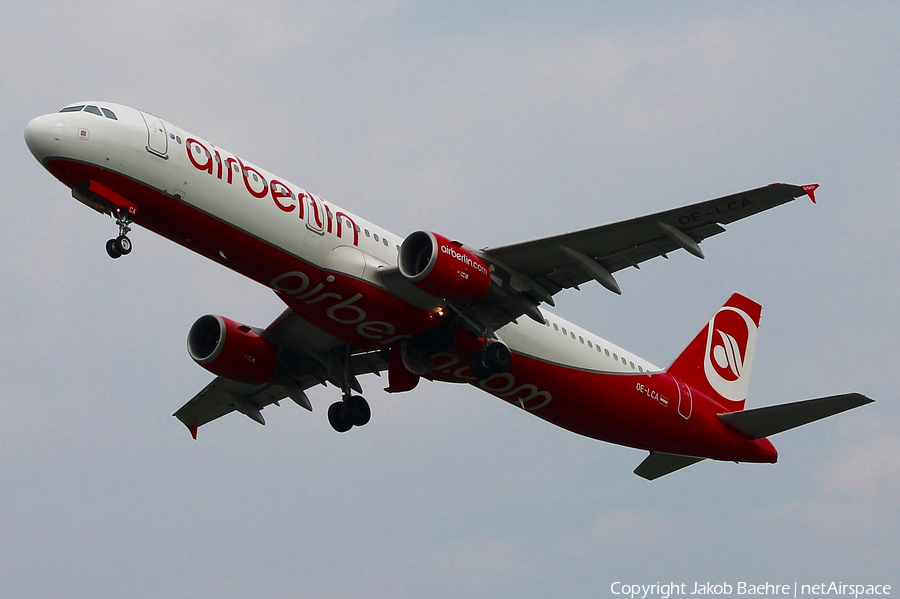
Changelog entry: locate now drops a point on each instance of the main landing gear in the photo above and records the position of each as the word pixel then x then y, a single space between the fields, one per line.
pixel 121 245
pixel 352 410
pixel 347 413
pixel 493 358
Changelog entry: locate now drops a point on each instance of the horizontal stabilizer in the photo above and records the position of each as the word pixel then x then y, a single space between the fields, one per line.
pixel 659 464
pixel 764 422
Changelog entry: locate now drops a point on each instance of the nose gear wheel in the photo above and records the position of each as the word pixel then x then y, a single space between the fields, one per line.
pixel 121 245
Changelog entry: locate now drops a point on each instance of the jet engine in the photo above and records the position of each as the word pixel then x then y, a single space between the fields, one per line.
pixel 231 350
pixel 443 268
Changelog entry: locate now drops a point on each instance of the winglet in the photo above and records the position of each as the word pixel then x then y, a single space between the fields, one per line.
pixel 193 430
pixel 810 191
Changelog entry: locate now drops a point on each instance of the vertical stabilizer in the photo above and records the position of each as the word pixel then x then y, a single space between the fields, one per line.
pixel 718 361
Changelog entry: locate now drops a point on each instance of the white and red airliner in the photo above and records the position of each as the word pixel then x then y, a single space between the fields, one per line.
pixel 361 299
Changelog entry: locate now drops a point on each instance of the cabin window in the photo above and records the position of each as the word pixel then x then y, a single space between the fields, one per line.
pixel 640 369
pixel 572 333
pixel 591 345
pixel 625 362
pixel 615 357
pixel 73 108
pixel 555 327
pixel 375 236
pixel 109 114
pixel 384 239
pixel 93 110
pixel 564 331
pixel 580 338
pixel 631 364
pixel 367 233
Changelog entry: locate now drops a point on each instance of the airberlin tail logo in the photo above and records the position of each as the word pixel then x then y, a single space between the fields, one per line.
pixel 728 355
pixel 730 341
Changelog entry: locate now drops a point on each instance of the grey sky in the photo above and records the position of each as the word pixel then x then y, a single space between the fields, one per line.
pixel 490 124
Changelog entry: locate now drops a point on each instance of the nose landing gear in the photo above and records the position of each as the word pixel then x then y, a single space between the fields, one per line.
pixel 121 245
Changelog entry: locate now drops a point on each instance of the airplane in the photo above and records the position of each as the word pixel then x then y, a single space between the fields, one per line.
pixel 360 299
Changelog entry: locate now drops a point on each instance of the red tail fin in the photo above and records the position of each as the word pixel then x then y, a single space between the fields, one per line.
pixel 717 362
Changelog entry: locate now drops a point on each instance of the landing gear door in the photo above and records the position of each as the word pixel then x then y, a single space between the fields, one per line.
pixel 157 142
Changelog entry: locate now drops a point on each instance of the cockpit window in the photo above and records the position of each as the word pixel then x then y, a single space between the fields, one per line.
pixel 93 110
pixel 73 108
pixel 109 114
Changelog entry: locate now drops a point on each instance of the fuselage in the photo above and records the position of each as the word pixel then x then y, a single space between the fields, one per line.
pixel 326 264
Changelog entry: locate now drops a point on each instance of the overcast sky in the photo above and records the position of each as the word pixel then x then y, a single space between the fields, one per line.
pixel 490 123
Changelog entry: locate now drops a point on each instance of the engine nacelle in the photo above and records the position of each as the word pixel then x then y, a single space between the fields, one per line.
pixel 231 350
pixel 443 268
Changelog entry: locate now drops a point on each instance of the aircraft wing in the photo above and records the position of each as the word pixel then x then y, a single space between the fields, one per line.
pixel 222 397
pixel 570 259
pixel 305 361
pixel 534 271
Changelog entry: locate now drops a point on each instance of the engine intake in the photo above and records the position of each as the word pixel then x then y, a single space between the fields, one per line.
pixel 231 350
pixel 443 268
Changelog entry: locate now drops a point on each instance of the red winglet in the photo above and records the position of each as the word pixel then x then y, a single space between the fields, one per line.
pixel 193 430
pixel 810 191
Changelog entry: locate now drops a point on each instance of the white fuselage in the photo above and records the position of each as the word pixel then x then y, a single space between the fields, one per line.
pixel 258 203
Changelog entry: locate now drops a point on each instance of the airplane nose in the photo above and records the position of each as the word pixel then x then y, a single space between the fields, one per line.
pixel 42 135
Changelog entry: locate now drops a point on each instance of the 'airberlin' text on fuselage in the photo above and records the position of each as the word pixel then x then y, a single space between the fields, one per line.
pixel 342 311
pixel 284 198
